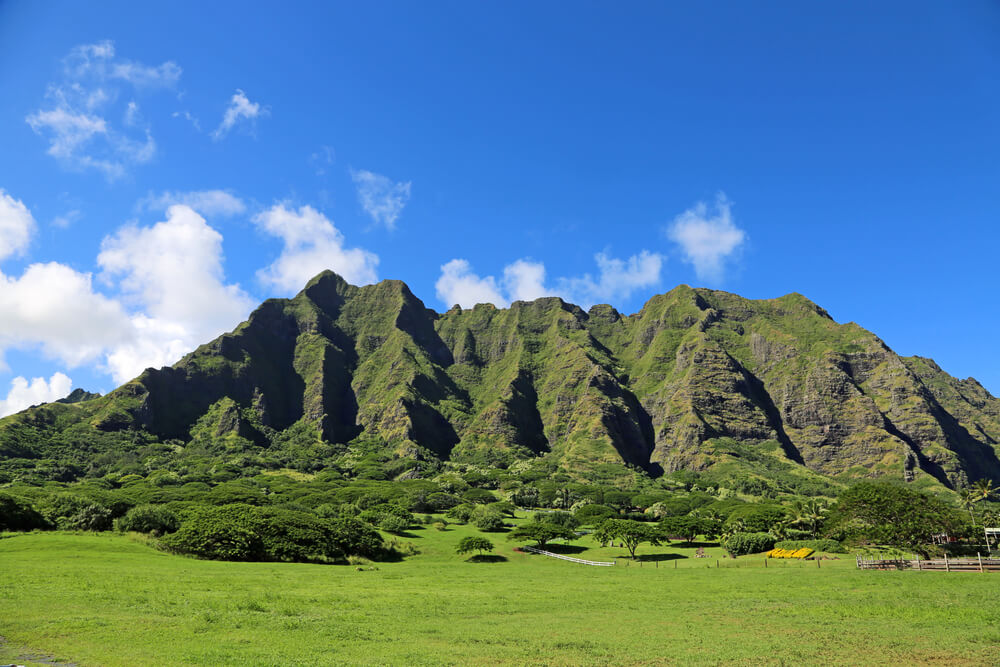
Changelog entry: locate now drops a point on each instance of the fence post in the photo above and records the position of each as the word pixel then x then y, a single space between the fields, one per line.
pixel 716 564
pixel 918 563
pixel 980 557
pixel 675 564
pixel 817 562
pixel 947 565
pixel 765 563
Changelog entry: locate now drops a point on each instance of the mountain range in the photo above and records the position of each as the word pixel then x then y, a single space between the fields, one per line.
pixel 697 378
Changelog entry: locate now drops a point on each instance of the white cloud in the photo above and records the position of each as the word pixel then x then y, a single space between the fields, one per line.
pixel 381 199
pixel 210 203
pixel 76 121
pixel 97 61
pixel 707 240
pixel 173 270
pixel 66 219
pixel 240 110
pixel 617 279
pixel 172 297
pixel 56 308
pixel 311 244
pixel 189 117
pixel 459 285
pixel 23 394
pixel 524 280
pixel 16 226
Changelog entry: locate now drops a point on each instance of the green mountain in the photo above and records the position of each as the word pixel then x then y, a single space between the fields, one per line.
pixel 697 380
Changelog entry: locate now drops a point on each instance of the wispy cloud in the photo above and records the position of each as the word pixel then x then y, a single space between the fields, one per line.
pixel 211 203
pixel 707 238
pixel 240 112
pixel 311 244
pixel 381 198
pixel 75 118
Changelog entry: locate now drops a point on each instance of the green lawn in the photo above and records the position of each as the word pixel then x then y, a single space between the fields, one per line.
pixel 109 600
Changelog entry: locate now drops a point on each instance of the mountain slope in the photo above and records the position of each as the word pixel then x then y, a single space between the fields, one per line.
pixel 695 379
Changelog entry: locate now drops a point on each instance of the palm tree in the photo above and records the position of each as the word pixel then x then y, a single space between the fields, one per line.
pixel 810 514
pixel 968 498
pixel 984 489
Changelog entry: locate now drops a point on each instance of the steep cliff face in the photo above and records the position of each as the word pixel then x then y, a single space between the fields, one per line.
pixel 544 378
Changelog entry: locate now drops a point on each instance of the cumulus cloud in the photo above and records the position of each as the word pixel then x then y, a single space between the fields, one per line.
pixel 210 203
pixel 16 226
pixel 311 244
pixel 459 285
pixel 56 308
pixel 171 296
pixel 24 394
pixel 381 198
pixel 173 272
pixel 76 121
pixel 706 238
pixel 524 280
pixel 241 111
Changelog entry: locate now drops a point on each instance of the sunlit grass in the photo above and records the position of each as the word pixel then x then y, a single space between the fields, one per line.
pixel 110 600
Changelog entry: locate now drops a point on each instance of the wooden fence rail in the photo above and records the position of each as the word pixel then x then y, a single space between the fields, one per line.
pixel 569 558
pixel 978 564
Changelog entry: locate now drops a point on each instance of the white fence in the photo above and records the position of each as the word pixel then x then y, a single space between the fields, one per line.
pixel 569 558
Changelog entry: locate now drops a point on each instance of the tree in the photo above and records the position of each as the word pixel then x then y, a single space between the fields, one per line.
pixel 631 533
pixel 541 533
pixel 474 543
pixel 887 513
pixel 738 544
pixel 687 527
pixel 810 514
pixel 968 498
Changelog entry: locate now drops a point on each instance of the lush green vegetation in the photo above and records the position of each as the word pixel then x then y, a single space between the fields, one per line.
pixel 110 600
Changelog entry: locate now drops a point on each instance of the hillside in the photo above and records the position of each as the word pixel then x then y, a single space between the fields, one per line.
pixel 696 380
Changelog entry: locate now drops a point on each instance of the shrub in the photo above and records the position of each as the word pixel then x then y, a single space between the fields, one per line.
pixel 219 533
pixel 18 514
pixel 393 524
pixel 154 519
pixel 739 544
pixel 490 523
pixel 461 513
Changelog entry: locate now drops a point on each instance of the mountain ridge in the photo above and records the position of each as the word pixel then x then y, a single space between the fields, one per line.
pixel 657 390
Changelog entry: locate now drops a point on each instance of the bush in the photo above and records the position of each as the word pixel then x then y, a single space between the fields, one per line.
pixel 829 546
pixel 739 544
pixel 247 533
pixel 441 502
pixel 154 519
pixel 490 523
pixel 461 513
pixel 18 514
pixel 219 533
pixel 391 523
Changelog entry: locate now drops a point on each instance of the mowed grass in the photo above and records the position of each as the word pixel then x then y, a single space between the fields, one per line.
pixel 110 600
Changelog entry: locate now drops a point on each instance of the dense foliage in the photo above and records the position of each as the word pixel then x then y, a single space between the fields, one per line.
pixel 740 544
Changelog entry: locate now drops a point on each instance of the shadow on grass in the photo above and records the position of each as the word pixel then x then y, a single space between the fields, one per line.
pixel 650 558
pixel 486 558
pixel 562 548
pixel 693 545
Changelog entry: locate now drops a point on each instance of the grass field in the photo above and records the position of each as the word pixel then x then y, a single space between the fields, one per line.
pixel 104 599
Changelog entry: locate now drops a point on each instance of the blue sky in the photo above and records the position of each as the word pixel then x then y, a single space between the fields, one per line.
pixel 164 170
